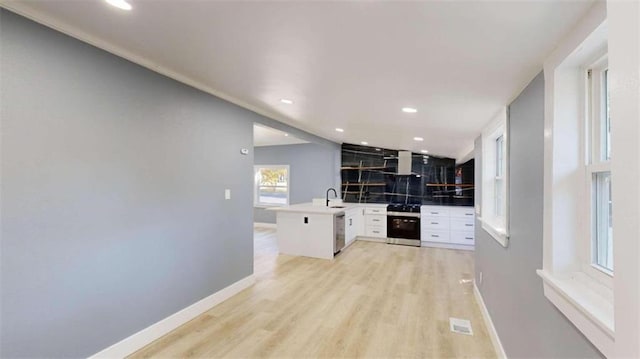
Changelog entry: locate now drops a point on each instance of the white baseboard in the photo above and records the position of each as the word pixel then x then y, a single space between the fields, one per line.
pixel 146 336
pixel 264 225
pixel 371 239
pixel 463 247
pixel 497 345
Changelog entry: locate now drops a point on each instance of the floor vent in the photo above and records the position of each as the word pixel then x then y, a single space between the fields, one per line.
pixel 460 326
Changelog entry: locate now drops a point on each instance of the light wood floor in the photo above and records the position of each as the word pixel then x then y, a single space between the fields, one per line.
pixel 373 301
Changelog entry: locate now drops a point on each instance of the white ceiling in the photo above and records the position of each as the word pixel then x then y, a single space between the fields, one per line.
pixel 352 65
pixel 267 136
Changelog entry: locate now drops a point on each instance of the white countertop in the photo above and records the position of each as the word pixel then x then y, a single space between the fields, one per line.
pixel 310 208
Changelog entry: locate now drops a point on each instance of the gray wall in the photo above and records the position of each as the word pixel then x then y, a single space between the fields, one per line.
pixel 313 168
pixel 527 323
pixel 113 210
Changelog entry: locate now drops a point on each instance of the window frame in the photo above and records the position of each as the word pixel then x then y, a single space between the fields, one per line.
pixel 595 150
pixel 499 148
pixel 256 186
pixel 496 224
pixel 568 282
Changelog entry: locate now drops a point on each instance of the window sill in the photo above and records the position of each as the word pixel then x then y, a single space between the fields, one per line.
pixel 497 233
pixel 586 303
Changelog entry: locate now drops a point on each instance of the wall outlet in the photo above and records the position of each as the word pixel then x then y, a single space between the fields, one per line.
pixel 480 279
pixel 227 194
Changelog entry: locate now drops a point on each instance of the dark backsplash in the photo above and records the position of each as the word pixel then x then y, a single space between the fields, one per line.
pixel 369 175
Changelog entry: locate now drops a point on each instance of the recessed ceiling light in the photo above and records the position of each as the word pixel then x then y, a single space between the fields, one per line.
pixel 364 143
pixel 424 151
pixel 409 110
pixel 339 129
pixel 286 135
pixel 120 4
pixel 418 139
pixel 287 101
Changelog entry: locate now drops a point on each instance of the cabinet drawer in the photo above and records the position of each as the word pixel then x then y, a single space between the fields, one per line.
pixel 374 210
pixel 374 220
pixel 378 232
pixel 462 224
pixel 434 211
pixel 462 212
pixel 435 236
pixel 462 237
pixel 435 223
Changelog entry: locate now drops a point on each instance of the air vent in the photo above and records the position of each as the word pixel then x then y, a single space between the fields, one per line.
pixel 460 326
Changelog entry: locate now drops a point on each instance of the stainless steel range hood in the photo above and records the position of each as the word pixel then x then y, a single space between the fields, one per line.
pixel 404 162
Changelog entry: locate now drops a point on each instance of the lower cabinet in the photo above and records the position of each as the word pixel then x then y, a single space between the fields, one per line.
pixel 354 224
pixel 375 222
pixel 439 236
pixel 377 232
pixel 448 226
pixel 365 221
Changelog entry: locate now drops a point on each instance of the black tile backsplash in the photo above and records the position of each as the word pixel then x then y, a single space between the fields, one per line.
pixel 369 175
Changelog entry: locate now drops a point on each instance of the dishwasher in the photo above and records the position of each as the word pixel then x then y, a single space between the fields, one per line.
pixel 338 232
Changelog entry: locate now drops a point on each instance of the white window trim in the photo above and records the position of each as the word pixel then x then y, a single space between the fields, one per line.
pixel 594 163
pixel 256 204
pixel 568 283
pixel 496 226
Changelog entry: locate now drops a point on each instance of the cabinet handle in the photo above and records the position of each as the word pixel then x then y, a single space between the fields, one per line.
pixel 376 231
pixel 376 220
pixel 435 212
pixel 468 237
pixel 468 214
pixel 350 221
pixel 434 223
pixel 468 225
pixel 435 236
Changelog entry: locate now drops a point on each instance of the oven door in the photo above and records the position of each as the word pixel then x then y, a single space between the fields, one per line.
pixel 403 227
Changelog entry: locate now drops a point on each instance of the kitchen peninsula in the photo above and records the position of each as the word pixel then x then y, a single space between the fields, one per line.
pixel 310 230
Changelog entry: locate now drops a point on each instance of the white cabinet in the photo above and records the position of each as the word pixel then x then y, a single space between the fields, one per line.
pixel 375 222
pixel 435 223
pixel 354 224
pixel 447 226
pixel 372 220
pixel 305 234
pixel 375 210
pixel 439 236
pixel 376 232
pixel 461 237
pixel 462 212
pixel 434 211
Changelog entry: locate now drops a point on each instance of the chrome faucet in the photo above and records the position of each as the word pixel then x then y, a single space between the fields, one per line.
pixel 334 193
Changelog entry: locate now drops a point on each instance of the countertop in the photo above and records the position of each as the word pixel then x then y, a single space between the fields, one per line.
pixel 310 208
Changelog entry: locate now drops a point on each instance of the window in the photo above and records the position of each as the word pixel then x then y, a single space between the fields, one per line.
pixel 577 208
pixel 271 185
pixel 499 179
pixel 598 167
pixel 494 179
pixel 602 241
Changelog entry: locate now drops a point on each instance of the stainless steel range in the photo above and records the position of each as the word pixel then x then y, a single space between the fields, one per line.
pixel 403 224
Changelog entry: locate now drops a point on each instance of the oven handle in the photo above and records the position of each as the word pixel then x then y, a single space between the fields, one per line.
pixel 403 214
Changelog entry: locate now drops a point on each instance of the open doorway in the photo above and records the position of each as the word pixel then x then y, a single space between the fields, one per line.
pixel 272 187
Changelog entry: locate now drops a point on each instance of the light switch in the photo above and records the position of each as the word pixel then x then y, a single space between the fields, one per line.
pixel 227 194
